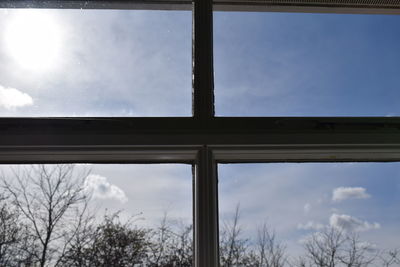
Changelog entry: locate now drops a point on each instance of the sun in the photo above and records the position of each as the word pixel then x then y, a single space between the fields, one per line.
pixel 33 39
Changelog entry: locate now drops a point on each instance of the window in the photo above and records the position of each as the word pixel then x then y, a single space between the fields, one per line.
pixel 283 212
pixel 300 64
pixel 203 140
pixel 96 214
pixel 93 63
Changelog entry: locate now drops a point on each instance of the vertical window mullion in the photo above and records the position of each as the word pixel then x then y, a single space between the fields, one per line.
pixel 206 211
pixel 202 52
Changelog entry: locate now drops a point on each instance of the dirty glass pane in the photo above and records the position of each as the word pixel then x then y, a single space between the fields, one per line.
pixel 288 64
pixel 96 215
pixel 298 214
pixel 94 63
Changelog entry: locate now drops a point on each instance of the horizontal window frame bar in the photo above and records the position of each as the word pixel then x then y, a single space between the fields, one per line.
pixel 17 132
pixel 307 153
pixel 98 154
pixel 100 4
pixel 297 6
pixel 314 6
pixel 189 154
pixel 162 140
pixel 179 124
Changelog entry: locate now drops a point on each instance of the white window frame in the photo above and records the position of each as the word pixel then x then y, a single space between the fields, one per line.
pixel 203 140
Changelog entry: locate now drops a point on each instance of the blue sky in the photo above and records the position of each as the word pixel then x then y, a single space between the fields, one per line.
pixel 138 63
pixel 105 63
pixel 279 64
pixel 297 199
pixel 294 199
pixel 146 191
pixel 149 190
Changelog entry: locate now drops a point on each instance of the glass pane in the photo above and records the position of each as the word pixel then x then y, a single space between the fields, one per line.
pixel 287 64
pixel 298 214
pixel 96 215
pixel 95 63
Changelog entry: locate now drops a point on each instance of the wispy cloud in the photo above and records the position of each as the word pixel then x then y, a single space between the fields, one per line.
pixel 311 225
pixel 101 188
pixel 343 193
pixel 11 98
pixel 307 208
pixel 350 224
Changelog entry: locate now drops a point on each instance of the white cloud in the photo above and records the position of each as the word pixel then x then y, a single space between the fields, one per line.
pixel 311 225
pixel 101 188
pixel 11 98
pixel 342 193
pixel 350 224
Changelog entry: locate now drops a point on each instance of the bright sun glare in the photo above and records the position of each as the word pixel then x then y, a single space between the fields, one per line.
pixel 33 39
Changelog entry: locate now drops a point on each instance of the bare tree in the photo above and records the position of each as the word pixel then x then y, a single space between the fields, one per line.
pixel 113 243
pixel 45 221
pixel 77 239
pixel 182 246
pixel 268 252
pixel 171 244
pixel 9 234
pixel 356 253
pixel 233 248
pixel 390 258
pixel 322 248
pixel 300 262
pixel 236 250
pixel 159 253
pixel 333 247
pixel 13 236
pixel 48 197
